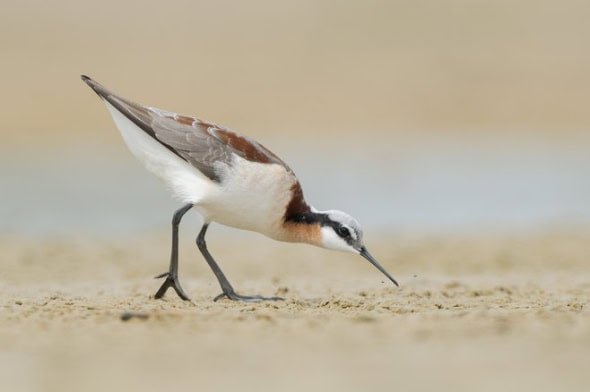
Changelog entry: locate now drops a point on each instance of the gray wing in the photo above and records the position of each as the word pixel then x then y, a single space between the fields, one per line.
pixel 206 145
pixel 194 143
pixel 202 144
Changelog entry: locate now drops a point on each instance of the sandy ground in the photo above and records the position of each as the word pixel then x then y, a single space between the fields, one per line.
pixel 500 313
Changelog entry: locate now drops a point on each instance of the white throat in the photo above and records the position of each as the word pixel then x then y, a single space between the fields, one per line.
pixel 330 240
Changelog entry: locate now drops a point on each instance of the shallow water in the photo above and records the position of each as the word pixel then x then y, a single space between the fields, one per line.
pixel 422 186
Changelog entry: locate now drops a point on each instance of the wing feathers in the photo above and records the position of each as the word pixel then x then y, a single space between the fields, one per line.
pixel 204 145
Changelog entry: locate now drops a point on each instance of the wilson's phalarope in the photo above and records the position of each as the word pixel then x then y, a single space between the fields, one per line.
pixel 230 179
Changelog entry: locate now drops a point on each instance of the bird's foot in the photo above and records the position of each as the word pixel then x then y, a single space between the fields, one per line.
pixel 245 298
pixel 171 281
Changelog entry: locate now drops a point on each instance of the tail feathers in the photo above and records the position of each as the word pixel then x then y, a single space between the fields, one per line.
pixel 140 115
pixel 97 87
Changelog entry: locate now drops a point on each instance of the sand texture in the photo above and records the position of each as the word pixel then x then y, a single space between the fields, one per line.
pixel 504 313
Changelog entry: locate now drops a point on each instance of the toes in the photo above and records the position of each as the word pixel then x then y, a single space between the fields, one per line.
pixel 171 282
pixel 182 295
pixel 220 296
pixel 246 298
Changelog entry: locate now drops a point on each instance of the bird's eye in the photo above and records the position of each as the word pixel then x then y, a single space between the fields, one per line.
pixel 343 232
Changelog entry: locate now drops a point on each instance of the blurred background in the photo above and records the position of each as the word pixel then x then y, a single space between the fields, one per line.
pixel 414 116
pixel 457 132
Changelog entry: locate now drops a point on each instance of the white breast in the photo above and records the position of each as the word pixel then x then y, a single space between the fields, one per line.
pixel 252 196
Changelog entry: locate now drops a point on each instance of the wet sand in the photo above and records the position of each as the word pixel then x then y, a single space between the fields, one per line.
pixel 472 313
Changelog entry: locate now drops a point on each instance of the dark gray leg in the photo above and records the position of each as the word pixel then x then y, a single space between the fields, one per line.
pixel 172 274
pixel 228 290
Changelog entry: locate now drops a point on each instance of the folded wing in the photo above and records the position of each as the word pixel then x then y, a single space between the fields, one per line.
pixel 202 144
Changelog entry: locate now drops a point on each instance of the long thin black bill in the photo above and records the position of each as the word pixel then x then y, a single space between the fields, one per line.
pixel 365 253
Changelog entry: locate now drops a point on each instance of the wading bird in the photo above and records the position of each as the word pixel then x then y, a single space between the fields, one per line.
pixel 227 178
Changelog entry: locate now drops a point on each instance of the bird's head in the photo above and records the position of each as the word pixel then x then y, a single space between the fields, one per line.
pixel 341 231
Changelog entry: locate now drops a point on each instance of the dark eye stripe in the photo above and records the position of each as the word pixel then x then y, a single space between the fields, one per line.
pixel 343 232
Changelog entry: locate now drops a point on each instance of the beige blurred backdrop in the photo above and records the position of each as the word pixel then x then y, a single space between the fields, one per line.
pixel 457 132
pixel 375 67
pixel 408 114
